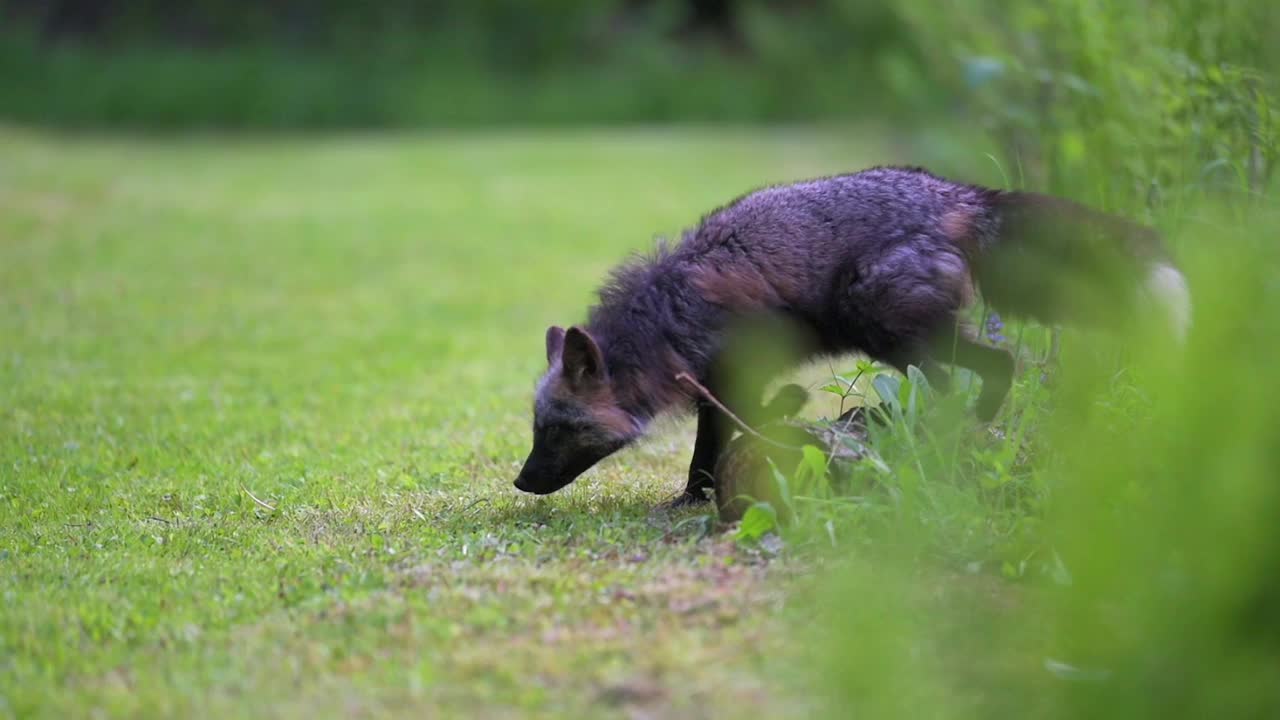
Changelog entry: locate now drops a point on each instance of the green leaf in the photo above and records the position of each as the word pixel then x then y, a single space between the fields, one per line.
pixel 887 387
pixel 918 378
pixel 814 461
pixel 784 487
pixel 759 519
pixel 907 394
pixel 834 389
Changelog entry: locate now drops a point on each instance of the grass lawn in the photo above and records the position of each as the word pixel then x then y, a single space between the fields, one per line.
pixel 262 401
pixel 349 328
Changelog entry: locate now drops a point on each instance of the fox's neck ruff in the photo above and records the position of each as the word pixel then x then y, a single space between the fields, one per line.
pixel 652 325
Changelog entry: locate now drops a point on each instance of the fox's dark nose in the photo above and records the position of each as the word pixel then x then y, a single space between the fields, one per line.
pixel 525 484
pixel 540 483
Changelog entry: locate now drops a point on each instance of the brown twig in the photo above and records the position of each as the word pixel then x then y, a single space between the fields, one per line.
pixel 706 394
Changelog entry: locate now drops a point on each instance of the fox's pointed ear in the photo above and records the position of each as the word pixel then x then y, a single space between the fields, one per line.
pixel 555 342
pixel 581 357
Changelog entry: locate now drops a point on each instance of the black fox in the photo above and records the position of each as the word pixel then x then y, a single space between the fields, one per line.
pixel 878 262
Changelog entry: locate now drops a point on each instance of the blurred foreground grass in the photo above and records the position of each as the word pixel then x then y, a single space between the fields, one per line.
pixel 1150 588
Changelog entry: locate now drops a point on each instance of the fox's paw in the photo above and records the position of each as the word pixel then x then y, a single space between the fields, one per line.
pixel 684 501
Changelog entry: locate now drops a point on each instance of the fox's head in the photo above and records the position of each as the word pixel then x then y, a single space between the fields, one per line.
pixel 577 421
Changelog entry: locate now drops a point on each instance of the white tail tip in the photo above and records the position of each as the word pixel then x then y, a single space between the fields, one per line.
pixel 1169 288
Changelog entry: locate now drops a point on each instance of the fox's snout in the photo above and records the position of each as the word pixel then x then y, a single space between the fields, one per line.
pixel 535 478
pixel 541 476
pixel 559 457
pixel 530 484
pixel 525 483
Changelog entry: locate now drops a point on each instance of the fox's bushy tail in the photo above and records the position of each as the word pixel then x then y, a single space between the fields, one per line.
pixel 1059 261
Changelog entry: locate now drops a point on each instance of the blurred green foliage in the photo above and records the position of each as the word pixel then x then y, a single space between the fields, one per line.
pixel 1144 515
pixel 452 63
pixel 1129 105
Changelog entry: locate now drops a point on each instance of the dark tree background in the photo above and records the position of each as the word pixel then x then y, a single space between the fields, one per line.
pixel 204 22
pixel 331 63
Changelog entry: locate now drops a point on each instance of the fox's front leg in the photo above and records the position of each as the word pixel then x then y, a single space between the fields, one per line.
pixel 706 451
pixel 714 430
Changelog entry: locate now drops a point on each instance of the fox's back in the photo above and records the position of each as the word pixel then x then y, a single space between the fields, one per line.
pixel 880 205
pixel 793 245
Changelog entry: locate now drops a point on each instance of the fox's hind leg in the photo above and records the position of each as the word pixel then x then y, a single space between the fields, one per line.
pixel 994 365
